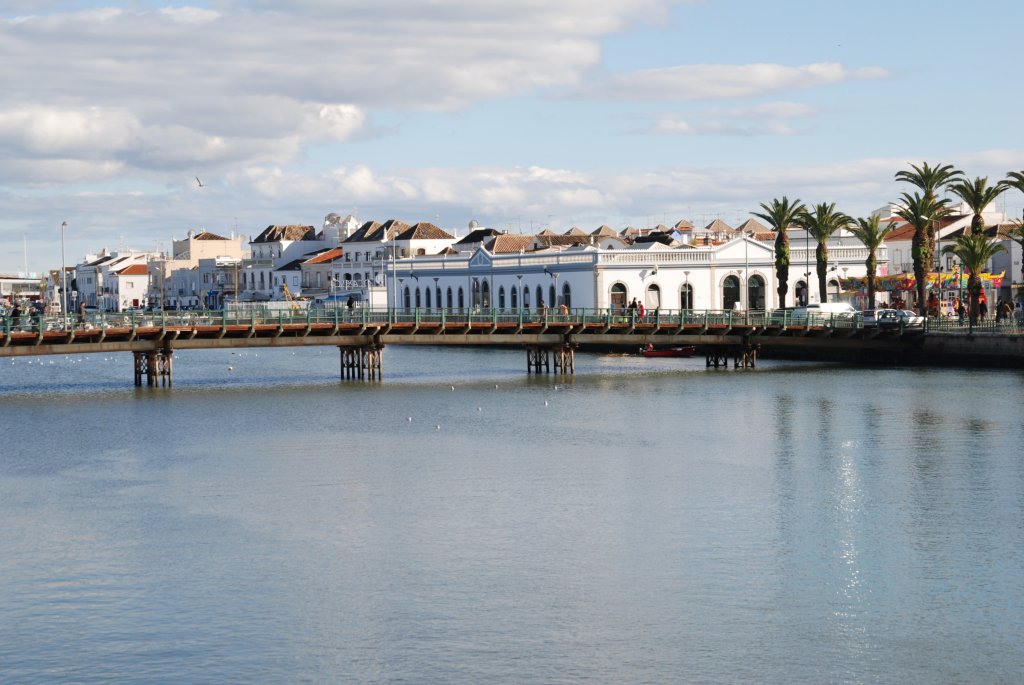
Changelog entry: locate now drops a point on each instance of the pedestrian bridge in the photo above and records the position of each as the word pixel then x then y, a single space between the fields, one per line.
pixel 549 338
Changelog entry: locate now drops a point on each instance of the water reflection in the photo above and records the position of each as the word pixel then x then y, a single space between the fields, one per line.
pixel 635 523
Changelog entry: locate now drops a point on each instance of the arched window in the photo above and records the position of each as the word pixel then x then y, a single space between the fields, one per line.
pixel 567 295
pixel 426 293
pixel 832 291
pixel 405 298
pixel 755 292
pixel 686 296
pixel 485 294
pixel 348 277
pixel 437 293
pixel 475 293
pixel 730 292
pixel 800 293
pixel 515 298
pixel 501 297
pixel 652 300
pixel 552 296
pixel 540 295
pixel 526 297
pixel 418 302
pixel 421 252
pixel 618 297
pixel 462 298
pixel 450 301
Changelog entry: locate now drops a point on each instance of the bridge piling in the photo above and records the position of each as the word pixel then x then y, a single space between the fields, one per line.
pixel 156 365
pixel 361 363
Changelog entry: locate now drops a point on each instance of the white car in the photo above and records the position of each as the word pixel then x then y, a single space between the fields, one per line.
pixel 909 319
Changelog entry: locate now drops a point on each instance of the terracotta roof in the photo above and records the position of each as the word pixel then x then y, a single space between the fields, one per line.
pixel 273 234
pixel 326 256
pixel 134 270
pixel 509 243
pixel 683 224
pixel 424 230
pixel 605 231
pixel 478 235
pixel 718 225
pixel 360 233
pixel 206 235
pixel 752 225
pixel 990 231
pixel 389 230
pixel 553 240
pixel 901 232
pixel 575 231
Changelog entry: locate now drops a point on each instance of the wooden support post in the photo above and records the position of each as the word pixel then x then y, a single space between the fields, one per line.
pixel 362 363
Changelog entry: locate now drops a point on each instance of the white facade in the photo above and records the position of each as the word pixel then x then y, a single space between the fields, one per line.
pixel 589 277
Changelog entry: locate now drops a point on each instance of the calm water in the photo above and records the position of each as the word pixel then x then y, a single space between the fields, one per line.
pixel 646 521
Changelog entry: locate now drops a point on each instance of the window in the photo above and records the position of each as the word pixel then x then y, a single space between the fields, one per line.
pixel 730 292
pixel 540 295
pixel 501 297
pixel 652 300
pixel 755 292
pixel 567 295
pixel 515 298
pixel 686 296
pixel 618 297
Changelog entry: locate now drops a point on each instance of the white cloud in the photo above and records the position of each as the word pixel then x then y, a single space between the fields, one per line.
pixel 723 81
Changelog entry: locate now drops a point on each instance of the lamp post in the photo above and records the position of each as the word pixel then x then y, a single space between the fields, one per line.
pixel 520 287
pixel 63 277
pixel 437 293
pixel 686 289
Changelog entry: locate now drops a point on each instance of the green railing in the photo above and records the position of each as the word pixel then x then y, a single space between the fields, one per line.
pixel 365 316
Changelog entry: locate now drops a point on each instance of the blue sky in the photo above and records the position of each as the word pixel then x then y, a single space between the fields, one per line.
pixel 520 115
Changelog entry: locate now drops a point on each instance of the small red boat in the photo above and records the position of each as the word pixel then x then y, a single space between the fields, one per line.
pixel 685 351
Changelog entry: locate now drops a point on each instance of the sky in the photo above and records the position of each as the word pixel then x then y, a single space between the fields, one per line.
pixel 520 115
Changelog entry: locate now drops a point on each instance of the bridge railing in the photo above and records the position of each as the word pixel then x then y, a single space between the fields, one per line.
pixel 468 316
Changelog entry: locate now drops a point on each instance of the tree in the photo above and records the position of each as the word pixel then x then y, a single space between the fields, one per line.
pixel 780 215
pixel 821 222
pixel 921 213
pixel 1015 179
pixel 974 250
pixel 929 179
pixel 977 195
pixel 872 233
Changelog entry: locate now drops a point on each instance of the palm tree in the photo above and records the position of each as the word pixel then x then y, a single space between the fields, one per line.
pixel 780 215
pixel 929 179
pixel 977 195
pixel 921 213
pixel 974 250
pixel 1015 179
pixel 821 222
pixel 872 233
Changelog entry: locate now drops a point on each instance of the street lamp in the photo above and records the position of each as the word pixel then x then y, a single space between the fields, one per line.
pixel 63 276
pixel 686 288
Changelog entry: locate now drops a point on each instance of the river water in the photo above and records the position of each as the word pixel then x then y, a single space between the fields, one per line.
pixel 646 521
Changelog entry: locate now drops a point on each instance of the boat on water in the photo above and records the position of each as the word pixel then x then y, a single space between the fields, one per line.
pixel 685 351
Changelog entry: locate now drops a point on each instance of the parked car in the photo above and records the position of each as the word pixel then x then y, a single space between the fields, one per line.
pixel 910 319
pixel 887 318
pixel 867 318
